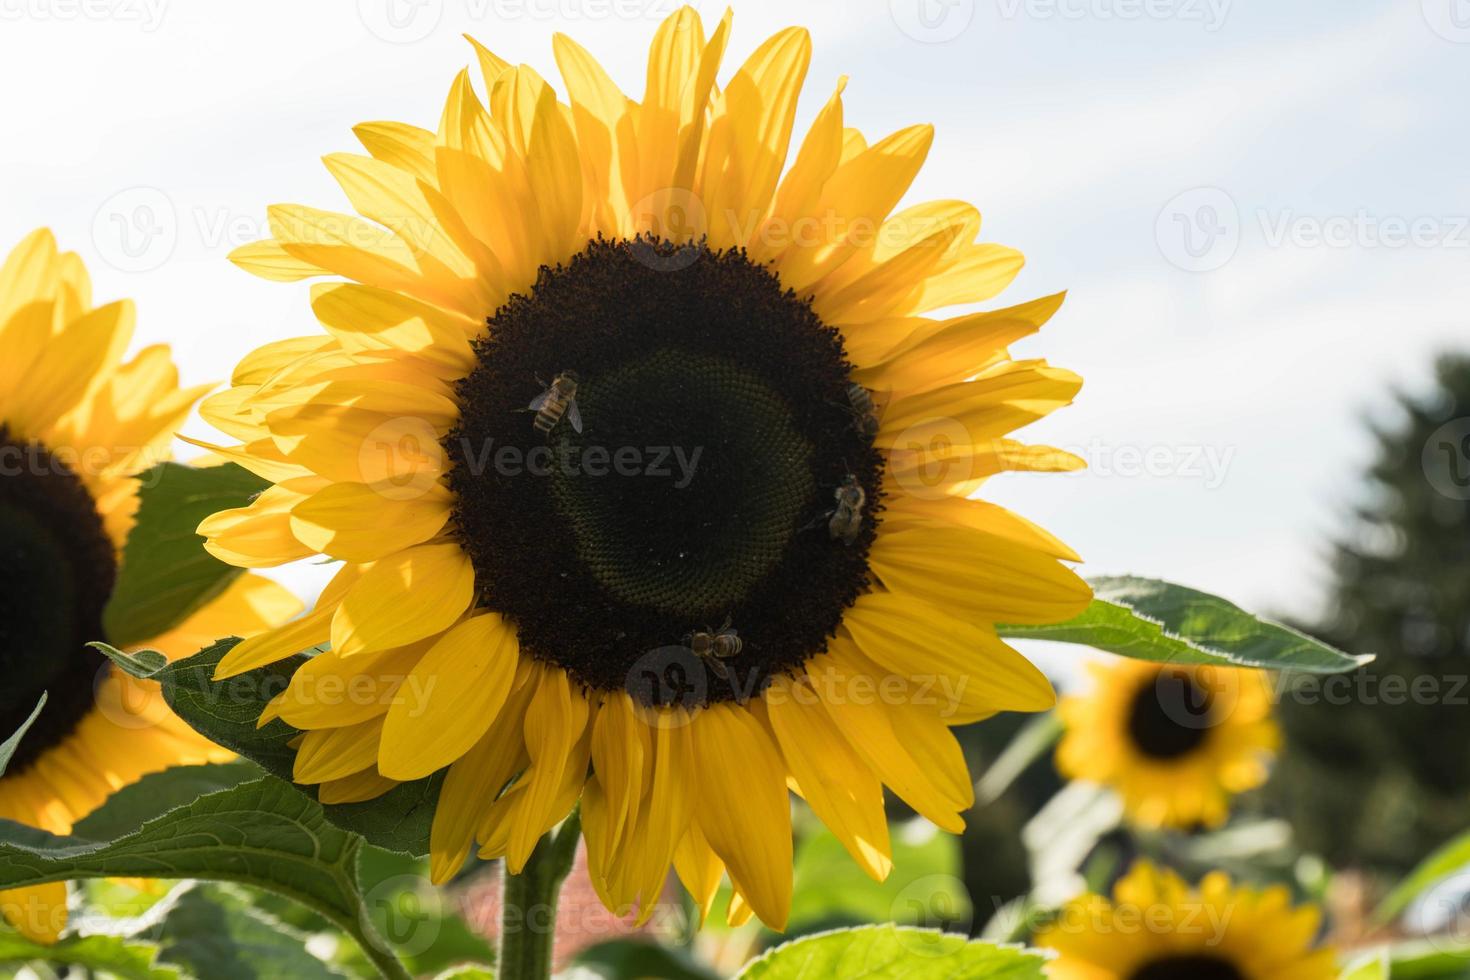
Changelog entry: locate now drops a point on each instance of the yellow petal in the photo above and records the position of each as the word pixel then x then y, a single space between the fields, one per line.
pixel 833 779
pixel 336 753
pixel 357 522
pixel 409 148
pixel 979 575
pixel 402 598
pixel 957 665
pixel 556 720
pixel 747 821
pixel 464 678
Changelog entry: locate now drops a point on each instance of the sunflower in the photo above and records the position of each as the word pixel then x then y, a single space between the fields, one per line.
pixel 76 427
pixel 1176 743
pixel 647 472
pixel 1156 927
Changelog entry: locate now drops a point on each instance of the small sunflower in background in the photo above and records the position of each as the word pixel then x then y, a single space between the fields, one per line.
pixel 647 471
pixel 1176 743
pixel 77 425
pixel 1157 927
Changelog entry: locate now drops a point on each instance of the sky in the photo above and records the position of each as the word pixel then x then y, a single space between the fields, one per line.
pixel 1261 210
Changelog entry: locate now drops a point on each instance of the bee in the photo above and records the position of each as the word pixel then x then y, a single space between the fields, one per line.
pixel 863 409
pixel 556 401
pixel 714 646
pixel 847 520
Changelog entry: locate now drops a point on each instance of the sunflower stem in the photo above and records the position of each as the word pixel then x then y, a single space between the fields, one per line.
pixel 528 915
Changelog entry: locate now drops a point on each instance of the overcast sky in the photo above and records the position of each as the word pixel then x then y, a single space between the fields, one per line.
pixel 1261 209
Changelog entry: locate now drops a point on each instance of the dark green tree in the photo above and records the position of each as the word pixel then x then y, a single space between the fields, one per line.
pixel 1377 773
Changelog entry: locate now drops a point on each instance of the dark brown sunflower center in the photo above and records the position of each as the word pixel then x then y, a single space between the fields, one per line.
pixel 1171 716
pixel 715 433
pixel 1189 968
pixel 57 568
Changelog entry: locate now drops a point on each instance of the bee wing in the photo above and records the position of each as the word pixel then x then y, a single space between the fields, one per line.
pixel 574 416
pixel 539 401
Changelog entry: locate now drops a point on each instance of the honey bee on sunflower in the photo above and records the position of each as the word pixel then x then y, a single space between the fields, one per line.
pixel 1176 743
pixel 78 424
pixel 1157 927
pixel 541 305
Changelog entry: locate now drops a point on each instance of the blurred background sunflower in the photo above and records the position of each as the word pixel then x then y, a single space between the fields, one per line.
pixel 1175 743
pixel 1157 927
pixel 78 424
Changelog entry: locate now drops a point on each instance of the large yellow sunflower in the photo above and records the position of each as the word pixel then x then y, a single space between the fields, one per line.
pixel 77 425
pixel 1176 743
pixel 1156 927
pixel 590 429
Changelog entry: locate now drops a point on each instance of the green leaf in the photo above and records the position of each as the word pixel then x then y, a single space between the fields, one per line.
pixel 261 833
pixel 888 951
pixel 166 575
pixel 467 973
pixel 1445 861
pixel 8 747
pixel 1151 620
pixel 156 794
pixel 213 931
pixel 225 712
pixel 128 959
pixel 925 886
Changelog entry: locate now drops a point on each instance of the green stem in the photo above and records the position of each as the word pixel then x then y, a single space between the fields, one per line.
pixel 528 916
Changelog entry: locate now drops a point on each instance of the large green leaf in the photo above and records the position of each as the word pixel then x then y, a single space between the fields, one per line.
pixel 1448 859
pixel 12 742
pixel 891 952
pixel 166 575
pixel 226 713
pixel 261 833
pixel 114 956
pixel 1151 620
